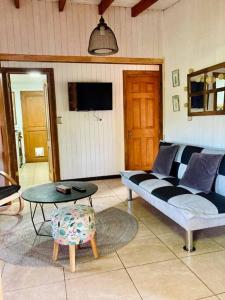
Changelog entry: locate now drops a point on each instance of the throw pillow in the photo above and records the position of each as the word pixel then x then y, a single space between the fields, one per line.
pixel 164 160
pixel 201 171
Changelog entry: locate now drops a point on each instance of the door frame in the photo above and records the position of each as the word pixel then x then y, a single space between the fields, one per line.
pixel 8 110
pixel 127 73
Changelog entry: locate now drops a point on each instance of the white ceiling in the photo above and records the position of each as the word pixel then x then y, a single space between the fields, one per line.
pixel 33 77
pixel 160 4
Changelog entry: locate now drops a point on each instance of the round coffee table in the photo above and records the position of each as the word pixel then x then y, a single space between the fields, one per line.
pixel 47 194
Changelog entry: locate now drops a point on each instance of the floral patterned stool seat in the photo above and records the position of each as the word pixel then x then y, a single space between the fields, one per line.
pixel 73 226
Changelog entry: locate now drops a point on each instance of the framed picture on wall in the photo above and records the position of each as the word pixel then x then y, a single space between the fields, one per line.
pixel 176 103
pixel 175 78
pixel 14 108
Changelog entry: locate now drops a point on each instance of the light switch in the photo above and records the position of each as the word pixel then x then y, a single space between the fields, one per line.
pixel 59 120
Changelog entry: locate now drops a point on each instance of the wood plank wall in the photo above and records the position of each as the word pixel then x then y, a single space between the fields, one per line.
pixel 87 147
pixel 39 28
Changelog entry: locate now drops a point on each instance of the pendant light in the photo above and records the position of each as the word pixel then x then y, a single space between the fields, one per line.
pixel 102 40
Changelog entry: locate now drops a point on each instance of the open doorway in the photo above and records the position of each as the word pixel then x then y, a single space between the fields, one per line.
pixel 30 124
pixel 29 98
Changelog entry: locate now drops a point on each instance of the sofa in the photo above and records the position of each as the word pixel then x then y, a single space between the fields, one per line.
pixel 191 208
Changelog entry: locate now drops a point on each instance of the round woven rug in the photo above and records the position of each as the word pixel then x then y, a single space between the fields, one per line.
pixel 20 245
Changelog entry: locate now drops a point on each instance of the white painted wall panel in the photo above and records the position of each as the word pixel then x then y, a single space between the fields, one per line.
pixel 88 147
pixel 39 28
pixel 193 38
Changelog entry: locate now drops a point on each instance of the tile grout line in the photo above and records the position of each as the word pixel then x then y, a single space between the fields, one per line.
pixel 65 283
pixel 33 286
pixel 129 276
pixel 180 259
pixel 98 273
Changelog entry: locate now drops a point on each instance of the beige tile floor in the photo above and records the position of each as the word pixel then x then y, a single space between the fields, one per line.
pixel 33 173
pixel 151 267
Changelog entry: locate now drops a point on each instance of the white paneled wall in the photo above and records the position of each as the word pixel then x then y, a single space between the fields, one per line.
pixel 89 147
pixel 193 38
pixel 39 28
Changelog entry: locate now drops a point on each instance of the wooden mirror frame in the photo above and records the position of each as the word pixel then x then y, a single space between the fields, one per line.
pixel 214 90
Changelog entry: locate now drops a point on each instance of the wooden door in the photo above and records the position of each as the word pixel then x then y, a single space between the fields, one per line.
pixel 34 126
pixel 142 97
pixel 4 155
pixel 49 141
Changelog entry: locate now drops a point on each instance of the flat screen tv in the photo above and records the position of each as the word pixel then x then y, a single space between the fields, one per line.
pixel 85 96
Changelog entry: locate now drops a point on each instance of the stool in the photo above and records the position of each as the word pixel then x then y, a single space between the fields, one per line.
pixel 73 226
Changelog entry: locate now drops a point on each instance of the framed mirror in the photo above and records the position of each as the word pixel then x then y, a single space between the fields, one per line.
pixel 206 91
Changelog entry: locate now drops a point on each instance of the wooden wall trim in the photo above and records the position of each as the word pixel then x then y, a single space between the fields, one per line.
pixel 81 59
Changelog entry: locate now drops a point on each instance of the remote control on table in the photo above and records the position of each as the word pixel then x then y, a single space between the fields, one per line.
pixel 78 189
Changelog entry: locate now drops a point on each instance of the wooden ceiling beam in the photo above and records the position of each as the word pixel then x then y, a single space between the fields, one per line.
pixel 103 5
pixel 81 59
pixel 62 4
pixel 17 3
pixel 141 6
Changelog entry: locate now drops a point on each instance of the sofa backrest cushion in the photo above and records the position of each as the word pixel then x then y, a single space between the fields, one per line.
pixel 164 160
pixel 201 171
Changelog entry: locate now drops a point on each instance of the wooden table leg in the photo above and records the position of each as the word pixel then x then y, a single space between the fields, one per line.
pixel 72 252
pixel 94 248
pixel 55 251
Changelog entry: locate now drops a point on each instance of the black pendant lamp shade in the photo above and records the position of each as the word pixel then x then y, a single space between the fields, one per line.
pixel 102 40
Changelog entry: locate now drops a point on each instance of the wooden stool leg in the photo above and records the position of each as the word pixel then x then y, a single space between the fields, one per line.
pixel 94 248
pixel 72 252
pixel 55 251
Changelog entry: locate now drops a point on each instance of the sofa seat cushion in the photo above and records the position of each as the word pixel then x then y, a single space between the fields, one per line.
pixel 6 191
pixel 167 192
pixel 191 204
pixel 128 174
pixel 138 178
pixel 216 199
pixel 152 184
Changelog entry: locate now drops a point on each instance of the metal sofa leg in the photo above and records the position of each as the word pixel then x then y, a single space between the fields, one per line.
pixel 189 246
pixel 130 195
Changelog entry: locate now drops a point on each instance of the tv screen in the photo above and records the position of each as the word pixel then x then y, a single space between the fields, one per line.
pixel 84 96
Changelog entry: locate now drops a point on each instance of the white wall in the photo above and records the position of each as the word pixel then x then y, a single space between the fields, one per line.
pixel 17 87
pixel 88 147
pixel 194 37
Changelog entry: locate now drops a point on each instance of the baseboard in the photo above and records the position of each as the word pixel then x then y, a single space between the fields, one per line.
pixel 94 178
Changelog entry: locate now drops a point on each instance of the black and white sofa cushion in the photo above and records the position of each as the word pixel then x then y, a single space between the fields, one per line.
pixel 190 208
